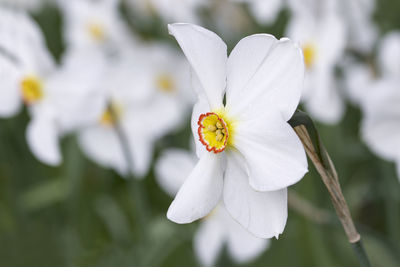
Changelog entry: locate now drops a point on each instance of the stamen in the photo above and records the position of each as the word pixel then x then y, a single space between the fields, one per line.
pixel 110 115
pixel 213 132
pixel 211 128
pixel 309 53
pixel 165 83
pixel 219 137
pixel 32 89
pixel 96 31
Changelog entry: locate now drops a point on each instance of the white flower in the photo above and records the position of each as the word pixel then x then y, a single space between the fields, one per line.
pixel 218 228
pixel 33 5
pixel 95 24
pixel 55 97
pixel 381 109
pixel 248 152
pixel 169 10
pixel 312 7
pixel 23 55
pixel 321 33
pixel 389 55
pixel 264 11
pixel 362 31
pixel 149 100
pixel 358 78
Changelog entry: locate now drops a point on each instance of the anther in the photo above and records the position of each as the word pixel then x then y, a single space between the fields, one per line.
pixel 219 137
pixel 219 125
pixel 211 128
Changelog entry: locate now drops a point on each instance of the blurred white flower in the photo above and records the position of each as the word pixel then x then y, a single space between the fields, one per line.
pixel 358 78
pixel 380 107
pixel 95 24
pixel 54 96
pixel 216 229
pixel 221 15
pixel 362 32
pixel 321 33
pixel 146 92
pixel 389 55
pixel 169 10
pixel 312 8
pixel 32 5
pixel 264 11
pixel 23 56
pixel 261 154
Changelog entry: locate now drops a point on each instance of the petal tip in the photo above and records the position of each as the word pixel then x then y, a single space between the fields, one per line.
pixel 173 216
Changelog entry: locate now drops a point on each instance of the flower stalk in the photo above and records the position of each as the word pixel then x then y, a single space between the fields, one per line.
pixel 139 196
pixel 306 131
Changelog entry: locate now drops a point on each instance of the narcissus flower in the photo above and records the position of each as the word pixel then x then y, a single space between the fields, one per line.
pixel 248 152
pixel 95 24
pixel 31 5
pixel 145 90
pixel 362 32
pixel 56 97
pixel 216 229
pixel 380 107
pixel 169 10
pixel 321 33
pixel 264 11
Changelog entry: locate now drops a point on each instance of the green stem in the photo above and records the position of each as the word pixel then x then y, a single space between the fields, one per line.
pixel 361 255
pixel 137 185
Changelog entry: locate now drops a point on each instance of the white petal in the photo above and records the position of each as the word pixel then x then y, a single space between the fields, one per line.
pixel 242 245
pixel 201 107
pixel 312 8
pixel 274 154
pixel 263 214
pixel 145 122
pixel 379 127
pixel 21 37
pixel 208 240
pixel 100 144
pixel 10 100
pixel 358 80
pixel 42 137
pixel 75 93
pixel 362 30
pixel 201 191
pixel 142 152
pixel 207 55
pixel 389 54
pixel 266 11
pixel 172 168
pixel 323 101
pixel 264 71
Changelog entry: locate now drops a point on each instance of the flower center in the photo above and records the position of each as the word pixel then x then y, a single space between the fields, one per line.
pixel 31 89
pixel 214 131
pixel 111 115
pixel 165 83
pixel 310 53
pixel 107 118
pixel 96 31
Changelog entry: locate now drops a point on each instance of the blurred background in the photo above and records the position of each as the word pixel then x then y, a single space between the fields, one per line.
pixel 86 210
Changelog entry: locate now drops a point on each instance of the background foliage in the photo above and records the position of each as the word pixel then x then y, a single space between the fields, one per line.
pixel 80 214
